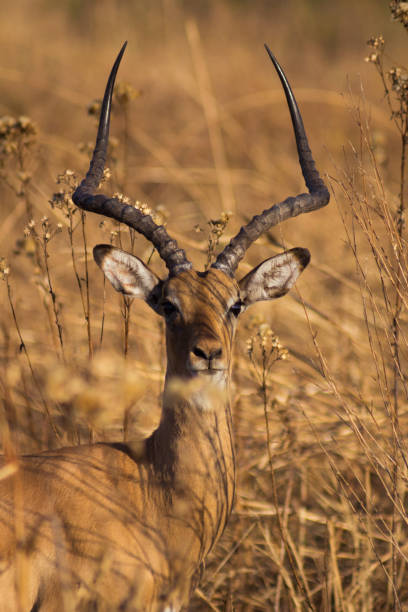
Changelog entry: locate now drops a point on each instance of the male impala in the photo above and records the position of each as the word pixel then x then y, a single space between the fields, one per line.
pixel 126 527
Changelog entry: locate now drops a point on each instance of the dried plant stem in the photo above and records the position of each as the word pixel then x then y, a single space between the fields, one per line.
pixel 162 355
pixel 397 371
pixel 149 259
pixel 279 583
pixel 85 299
pixel 53 297
pixel 302 584
pixel 212 118
pixel 23 188
pixel 74 264
pixel 132 239
pixel 217 228
pixel 126 306
pixel 103 313
pixel 397 100
pixel 392 494
pixel 87 311
pixel 125 113
pixel 23 348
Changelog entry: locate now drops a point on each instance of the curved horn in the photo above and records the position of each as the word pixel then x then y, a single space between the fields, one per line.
pixel 317 197
pixel 175 258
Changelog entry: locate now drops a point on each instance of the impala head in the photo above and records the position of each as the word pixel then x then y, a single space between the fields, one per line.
pixel 200 309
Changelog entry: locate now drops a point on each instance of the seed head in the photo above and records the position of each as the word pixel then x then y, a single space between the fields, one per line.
pixel 124 93
pixel 377 42
pixel 4 269
pixel 399 12
pixel 94 108
pixel 373 58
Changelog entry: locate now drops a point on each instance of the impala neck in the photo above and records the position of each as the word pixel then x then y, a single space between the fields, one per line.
pixel 193 450
pixel 195 423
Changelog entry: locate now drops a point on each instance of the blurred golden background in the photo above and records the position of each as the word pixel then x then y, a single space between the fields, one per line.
pixel 200 128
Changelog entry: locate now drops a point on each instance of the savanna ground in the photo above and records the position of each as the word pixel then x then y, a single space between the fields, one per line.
pixel 201 133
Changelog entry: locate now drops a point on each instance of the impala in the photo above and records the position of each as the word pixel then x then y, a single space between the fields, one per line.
pixel 115 526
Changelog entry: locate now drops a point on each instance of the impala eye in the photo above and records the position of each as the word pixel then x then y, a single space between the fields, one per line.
pixel 168 308
pixel 236 308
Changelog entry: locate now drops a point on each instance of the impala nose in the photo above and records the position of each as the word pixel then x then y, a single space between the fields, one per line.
pixel 205 353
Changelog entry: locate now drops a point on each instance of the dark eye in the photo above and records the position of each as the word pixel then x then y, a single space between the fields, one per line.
pixel 168 309
pixel 236 308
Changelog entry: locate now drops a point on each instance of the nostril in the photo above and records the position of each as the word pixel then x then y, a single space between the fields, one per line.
pixel 199 352
pixel 207 353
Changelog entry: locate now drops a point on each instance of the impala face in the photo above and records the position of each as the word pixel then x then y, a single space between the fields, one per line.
pixel 200 310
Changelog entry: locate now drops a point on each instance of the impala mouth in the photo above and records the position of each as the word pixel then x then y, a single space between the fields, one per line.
pixel 207 371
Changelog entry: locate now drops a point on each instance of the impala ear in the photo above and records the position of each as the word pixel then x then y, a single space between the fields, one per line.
pixel 127 273
pixel 273 277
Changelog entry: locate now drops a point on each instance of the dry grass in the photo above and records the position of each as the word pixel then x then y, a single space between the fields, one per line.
pixel 319 520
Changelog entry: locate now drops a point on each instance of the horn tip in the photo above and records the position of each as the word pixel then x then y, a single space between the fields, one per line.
pixel 273 59
pixel 122 50
pixel 269 52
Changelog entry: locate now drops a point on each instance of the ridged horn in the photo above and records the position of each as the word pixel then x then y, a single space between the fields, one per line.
pixel 317 197
pixel 84 196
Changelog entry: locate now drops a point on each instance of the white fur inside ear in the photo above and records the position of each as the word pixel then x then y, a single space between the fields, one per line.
pixel 274 277
pixel 127 273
